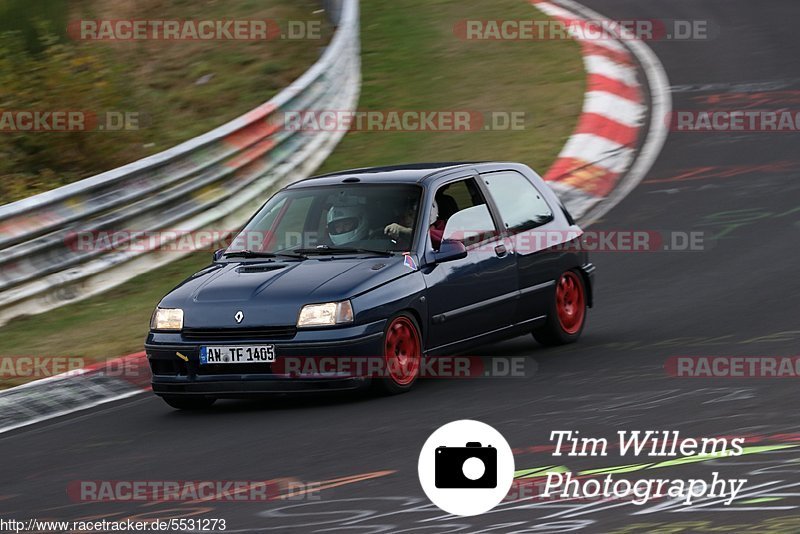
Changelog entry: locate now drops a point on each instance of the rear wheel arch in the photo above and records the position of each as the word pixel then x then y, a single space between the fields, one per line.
pixel 566 316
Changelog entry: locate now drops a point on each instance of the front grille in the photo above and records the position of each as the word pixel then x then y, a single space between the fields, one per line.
pixel 238 334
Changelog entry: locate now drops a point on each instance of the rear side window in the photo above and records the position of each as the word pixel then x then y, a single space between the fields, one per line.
pixel 521 205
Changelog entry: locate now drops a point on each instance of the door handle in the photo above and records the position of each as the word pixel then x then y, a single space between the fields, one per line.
pixel 500 250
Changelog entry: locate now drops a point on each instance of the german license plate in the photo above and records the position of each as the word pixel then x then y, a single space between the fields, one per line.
pixel 237 354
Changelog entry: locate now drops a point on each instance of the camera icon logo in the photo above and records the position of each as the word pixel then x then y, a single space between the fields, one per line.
pixel 472 466
pixel 466 467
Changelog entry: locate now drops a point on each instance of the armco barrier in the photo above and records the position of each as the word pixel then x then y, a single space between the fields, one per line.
pixel 213 181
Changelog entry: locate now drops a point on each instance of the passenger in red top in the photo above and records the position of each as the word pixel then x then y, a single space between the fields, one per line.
pixel 437 232
pixel 436 228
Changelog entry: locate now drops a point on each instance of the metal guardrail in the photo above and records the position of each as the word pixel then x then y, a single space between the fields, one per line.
pixel 216 180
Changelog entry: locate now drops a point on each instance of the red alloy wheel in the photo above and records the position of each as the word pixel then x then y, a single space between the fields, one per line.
pixel 570 302
pixel 402 351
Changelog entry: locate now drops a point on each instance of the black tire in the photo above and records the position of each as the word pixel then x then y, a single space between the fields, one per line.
pixel 189 402
pixel 400 382
pixel 565 327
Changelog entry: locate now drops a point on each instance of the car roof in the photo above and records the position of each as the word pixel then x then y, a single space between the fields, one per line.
pixel 407 173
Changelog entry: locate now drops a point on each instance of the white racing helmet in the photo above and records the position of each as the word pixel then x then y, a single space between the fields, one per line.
pixel 346 224
pixel 434 213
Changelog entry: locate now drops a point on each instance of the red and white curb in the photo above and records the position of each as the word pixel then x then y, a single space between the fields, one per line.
pixel 74 391
pixel 598 167
pixel 600 164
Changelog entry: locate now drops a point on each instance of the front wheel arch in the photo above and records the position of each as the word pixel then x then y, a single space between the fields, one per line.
pixel 420 326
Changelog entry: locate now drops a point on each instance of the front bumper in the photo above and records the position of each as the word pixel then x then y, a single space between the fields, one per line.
pixel 176 369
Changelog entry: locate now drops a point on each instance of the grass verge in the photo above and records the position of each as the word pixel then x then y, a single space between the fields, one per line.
pixel 171 90
pixel 414 60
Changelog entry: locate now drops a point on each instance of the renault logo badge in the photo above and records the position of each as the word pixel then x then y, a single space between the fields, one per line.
pixel 239 316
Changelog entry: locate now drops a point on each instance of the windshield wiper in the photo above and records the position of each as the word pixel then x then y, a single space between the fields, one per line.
pixel 326 249
pixel 255 254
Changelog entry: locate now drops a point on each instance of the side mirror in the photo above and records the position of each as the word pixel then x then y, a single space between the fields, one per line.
pixel 450 250
pixel 218 255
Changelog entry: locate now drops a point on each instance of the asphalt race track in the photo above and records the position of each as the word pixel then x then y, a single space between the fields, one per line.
pixel 736 297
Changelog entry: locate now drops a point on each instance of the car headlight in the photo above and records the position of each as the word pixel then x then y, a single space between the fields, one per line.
pixel 327 314
pixel 167 319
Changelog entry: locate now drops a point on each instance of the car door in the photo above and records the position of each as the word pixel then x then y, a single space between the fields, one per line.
pixel 528 220
pixel 475 295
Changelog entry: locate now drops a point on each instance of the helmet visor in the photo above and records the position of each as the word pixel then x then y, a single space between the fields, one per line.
pixel 343 225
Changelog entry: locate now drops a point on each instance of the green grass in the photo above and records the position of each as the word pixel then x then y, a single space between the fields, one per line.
pixel 23 16
pixel 411 61
pixel 179 89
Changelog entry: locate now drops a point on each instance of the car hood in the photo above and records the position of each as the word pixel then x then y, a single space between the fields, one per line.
pixel 272 293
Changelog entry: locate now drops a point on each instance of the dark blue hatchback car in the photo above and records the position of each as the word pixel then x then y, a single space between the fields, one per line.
pixel 383 265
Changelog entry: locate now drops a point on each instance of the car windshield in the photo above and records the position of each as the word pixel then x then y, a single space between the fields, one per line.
pixel 330 219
